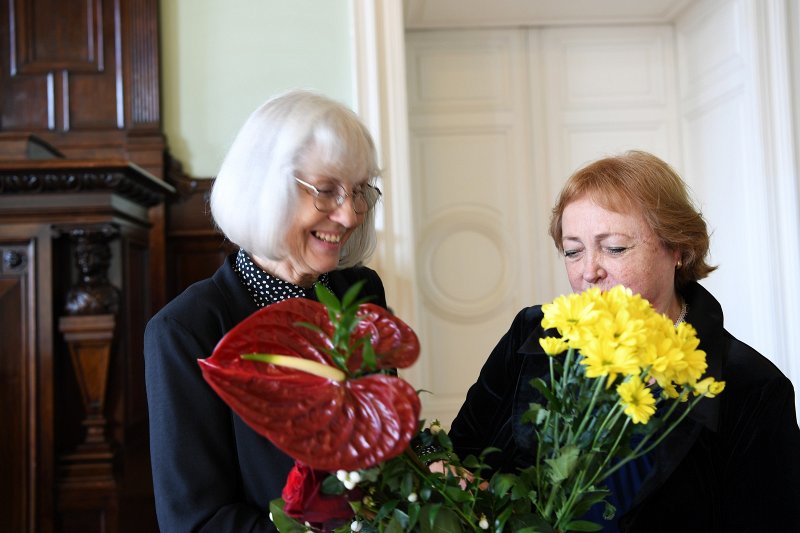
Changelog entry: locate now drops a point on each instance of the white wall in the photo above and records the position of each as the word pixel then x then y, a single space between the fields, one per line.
pixel 736 100
pixel 221 60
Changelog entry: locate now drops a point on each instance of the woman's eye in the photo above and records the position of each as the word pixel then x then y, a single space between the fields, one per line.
pixel 570 253
pixel 616 250
pixel 327 189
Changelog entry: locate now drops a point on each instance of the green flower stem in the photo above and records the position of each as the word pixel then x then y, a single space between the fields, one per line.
pixel 568 363
pixel 614 413
pixel 672 426
pixel 554 387
pixel 665 421
pixel 583 387
pixel 610 454
pixel 548 508
pixel 424 472
pixel 587 415
pixel 539 439
pixel 565 516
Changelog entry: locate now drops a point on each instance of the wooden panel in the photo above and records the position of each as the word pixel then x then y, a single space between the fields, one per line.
pixel 44 42
pixel 72 49
pixel 195 249
pixel 15 385
pixel 141 32
pixel 84 76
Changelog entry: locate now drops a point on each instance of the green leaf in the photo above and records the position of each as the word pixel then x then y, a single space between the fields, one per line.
pixel 563 464
pixel 552 401
pixel 535 414
pixel 401 518
pixel 501 484
pixel 457 494
pixel 588 499
pixel 407 485
pixel 282 521
pixel 351 294
pixel 312 327
pixel 327 298
pixel 471 462
pixel 529 523
pixel 394 527
pixel 413 515
pixel 386 509
pixel 583 525
pixel 332 485
pixel 441 520
pixel 370 360
pixel 609 511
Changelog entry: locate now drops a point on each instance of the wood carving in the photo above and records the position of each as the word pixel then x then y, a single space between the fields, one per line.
pixel 93 294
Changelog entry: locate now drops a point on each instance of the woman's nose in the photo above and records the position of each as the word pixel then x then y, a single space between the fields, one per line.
pixel 345 215
pixel 593 271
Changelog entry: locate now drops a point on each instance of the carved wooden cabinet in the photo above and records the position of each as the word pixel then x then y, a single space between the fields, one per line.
pixel 74 300
pixel 83 260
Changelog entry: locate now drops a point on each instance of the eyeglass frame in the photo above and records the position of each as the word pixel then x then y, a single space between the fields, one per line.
pixel 341 197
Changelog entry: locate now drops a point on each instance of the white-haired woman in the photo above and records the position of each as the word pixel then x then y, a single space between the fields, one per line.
pixel 296 194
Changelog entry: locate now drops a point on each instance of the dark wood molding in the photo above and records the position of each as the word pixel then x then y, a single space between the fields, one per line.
pixel 121 177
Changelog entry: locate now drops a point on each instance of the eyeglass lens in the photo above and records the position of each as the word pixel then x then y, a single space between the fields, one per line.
pixel 330 195
pixel 328 199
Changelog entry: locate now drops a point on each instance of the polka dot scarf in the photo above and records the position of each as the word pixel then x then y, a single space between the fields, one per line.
pixel 267 289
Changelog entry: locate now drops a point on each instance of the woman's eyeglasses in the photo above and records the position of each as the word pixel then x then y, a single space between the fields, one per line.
pixel 332 195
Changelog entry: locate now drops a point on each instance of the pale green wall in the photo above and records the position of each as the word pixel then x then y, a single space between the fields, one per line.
pixel 222 58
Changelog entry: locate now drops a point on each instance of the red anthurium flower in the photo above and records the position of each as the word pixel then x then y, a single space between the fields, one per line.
pixel 317 413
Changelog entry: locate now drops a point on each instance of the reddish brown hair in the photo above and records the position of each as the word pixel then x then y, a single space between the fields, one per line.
pixel 639 182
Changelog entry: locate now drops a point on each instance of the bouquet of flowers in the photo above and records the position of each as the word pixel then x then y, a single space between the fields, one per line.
pixel 318 379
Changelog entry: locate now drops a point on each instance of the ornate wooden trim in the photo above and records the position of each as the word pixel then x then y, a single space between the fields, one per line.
pixel 121 177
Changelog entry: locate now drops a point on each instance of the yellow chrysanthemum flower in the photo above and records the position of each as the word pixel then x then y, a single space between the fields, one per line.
pixel 553 345
pixel 570 314
pixel 602 357
pixel 708 387
pixel 637 399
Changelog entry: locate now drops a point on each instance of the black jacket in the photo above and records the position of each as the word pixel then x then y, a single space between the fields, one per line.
pixel 732 466
pixel 211 472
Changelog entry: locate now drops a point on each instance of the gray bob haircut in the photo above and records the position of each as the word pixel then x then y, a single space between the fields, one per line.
pixel 254 195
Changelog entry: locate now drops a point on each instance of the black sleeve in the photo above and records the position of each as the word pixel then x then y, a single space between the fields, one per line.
pixel 196 476
pixel 485 417
pixel 761 485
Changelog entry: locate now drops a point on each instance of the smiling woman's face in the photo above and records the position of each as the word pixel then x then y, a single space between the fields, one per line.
pixel 314 239
pixel 604 248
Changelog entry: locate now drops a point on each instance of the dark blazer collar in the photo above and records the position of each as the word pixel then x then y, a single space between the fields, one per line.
pixel 705 314
pixel 238 301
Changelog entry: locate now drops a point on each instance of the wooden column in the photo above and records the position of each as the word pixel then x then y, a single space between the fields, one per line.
pixel 86 479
